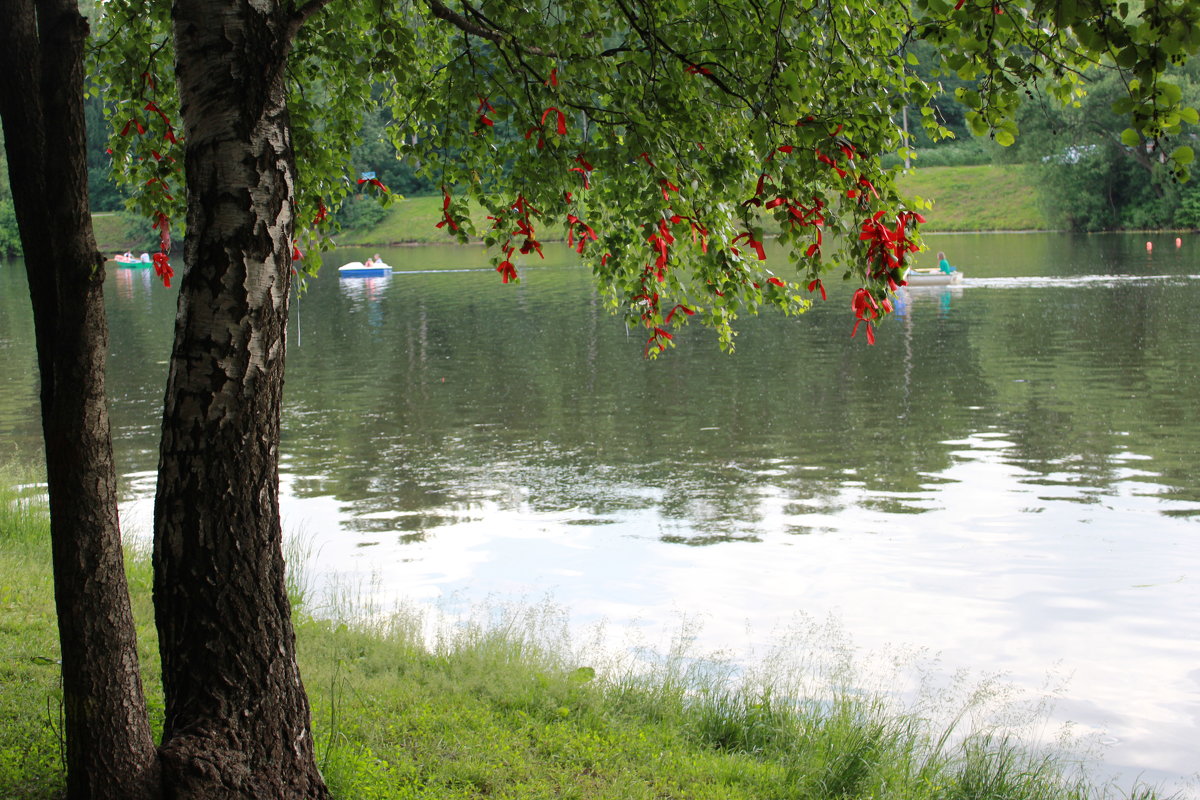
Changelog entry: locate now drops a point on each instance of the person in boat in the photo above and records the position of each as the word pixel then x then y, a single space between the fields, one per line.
pixel 370 262
pixel 944 265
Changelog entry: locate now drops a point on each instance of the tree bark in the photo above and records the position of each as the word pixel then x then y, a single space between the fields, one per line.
pixel 237 717
pixel 110 752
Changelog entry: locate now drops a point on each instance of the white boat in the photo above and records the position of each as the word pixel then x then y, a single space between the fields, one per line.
pixel 932 277
pixel 357 269
pixel 130 260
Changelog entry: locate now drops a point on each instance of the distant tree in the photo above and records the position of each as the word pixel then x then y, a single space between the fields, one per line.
pixel 667 136
pixel 1096 173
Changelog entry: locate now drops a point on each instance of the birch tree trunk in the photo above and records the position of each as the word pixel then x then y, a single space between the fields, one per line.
pixel 237 717
pixel 109 749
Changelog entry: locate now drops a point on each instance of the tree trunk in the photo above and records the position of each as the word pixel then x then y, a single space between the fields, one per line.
pixel 237 718
pixel 110 752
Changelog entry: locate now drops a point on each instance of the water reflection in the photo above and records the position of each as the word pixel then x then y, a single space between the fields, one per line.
pixel 1006 477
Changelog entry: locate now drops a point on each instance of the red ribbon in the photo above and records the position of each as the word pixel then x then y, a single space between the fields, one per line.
pixel 679 307
pixel 750 240
pixel 484 107
pixel 374 182
pixel 446 218
pixel 151 107
pixel 507 271
pixel 162 266
pixel 562 120
pixel 163 224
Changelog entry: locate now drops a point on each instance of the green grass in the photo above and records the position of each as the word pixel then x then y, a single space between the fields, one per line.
pixel 510 705
pixel 112 234
pixel 983 198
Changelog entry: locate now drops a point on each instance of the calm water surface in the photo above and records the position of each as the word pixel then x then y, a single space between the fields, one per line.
pixel 1008 478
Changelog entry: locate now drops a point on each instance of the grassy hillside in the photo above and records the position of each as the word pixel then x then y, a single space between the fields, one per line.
pixel 112 235
pixel 984 198
pixel 987 198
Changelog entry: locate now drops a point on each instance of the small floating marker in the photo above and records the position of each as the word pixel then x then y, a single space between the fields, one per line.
pixel 1178 242
pixel 1149 246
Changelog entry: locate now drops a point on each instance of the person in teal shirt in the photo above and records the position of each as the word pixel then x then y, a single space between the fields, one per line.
pixel 944 265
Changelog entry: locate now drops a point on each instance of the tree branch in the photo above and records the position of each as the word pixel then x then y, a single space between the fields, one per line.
pixel 471 28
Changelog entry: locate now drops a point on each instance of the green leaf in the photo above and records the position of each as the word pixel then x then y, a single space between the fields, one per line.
pixel 1183 155
pixel 1130 138
pixel 582 675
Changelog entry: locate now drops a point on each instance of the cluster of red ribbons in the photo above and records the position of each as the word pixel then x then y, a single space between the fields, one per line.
pixel 867 309
pixel 162 267
pixel 889 247
pixel 523 211
pixel 578 228
pixel 799 215
pixel 660 243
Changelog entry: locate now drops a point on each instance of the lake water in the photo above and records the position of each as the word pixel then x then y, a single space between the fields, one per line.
pixel 1008 478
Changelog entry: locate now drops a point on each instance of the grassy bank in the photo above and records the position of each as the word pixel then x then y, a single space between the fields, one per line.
pixel 983 198
pixel 986 198
pixel 512 708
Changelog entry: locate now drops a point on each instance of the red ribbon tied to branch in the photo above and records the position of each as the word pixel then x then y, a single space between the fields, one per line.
pixel 162 266
pixel 661 242
pixel 482 111
pixel 865 310
pixel 163 225
pixel 750 240
pixel 561 127
pixel 585 234
pixel 374 182
pixel 446 218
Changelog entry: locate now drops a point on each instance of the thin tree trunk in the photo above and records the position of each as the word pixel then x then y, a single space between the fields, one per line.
pixel 110 752
pixel 237 718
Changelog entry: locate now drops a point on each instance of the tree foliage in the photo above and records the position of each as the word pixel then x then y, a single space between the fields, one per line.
pixel 669 138
pixel 1097 176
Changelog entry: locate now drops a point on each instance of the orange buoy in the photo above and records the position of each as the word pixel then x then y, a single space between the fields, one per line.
pixel 1149 246
pixel 1178 242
